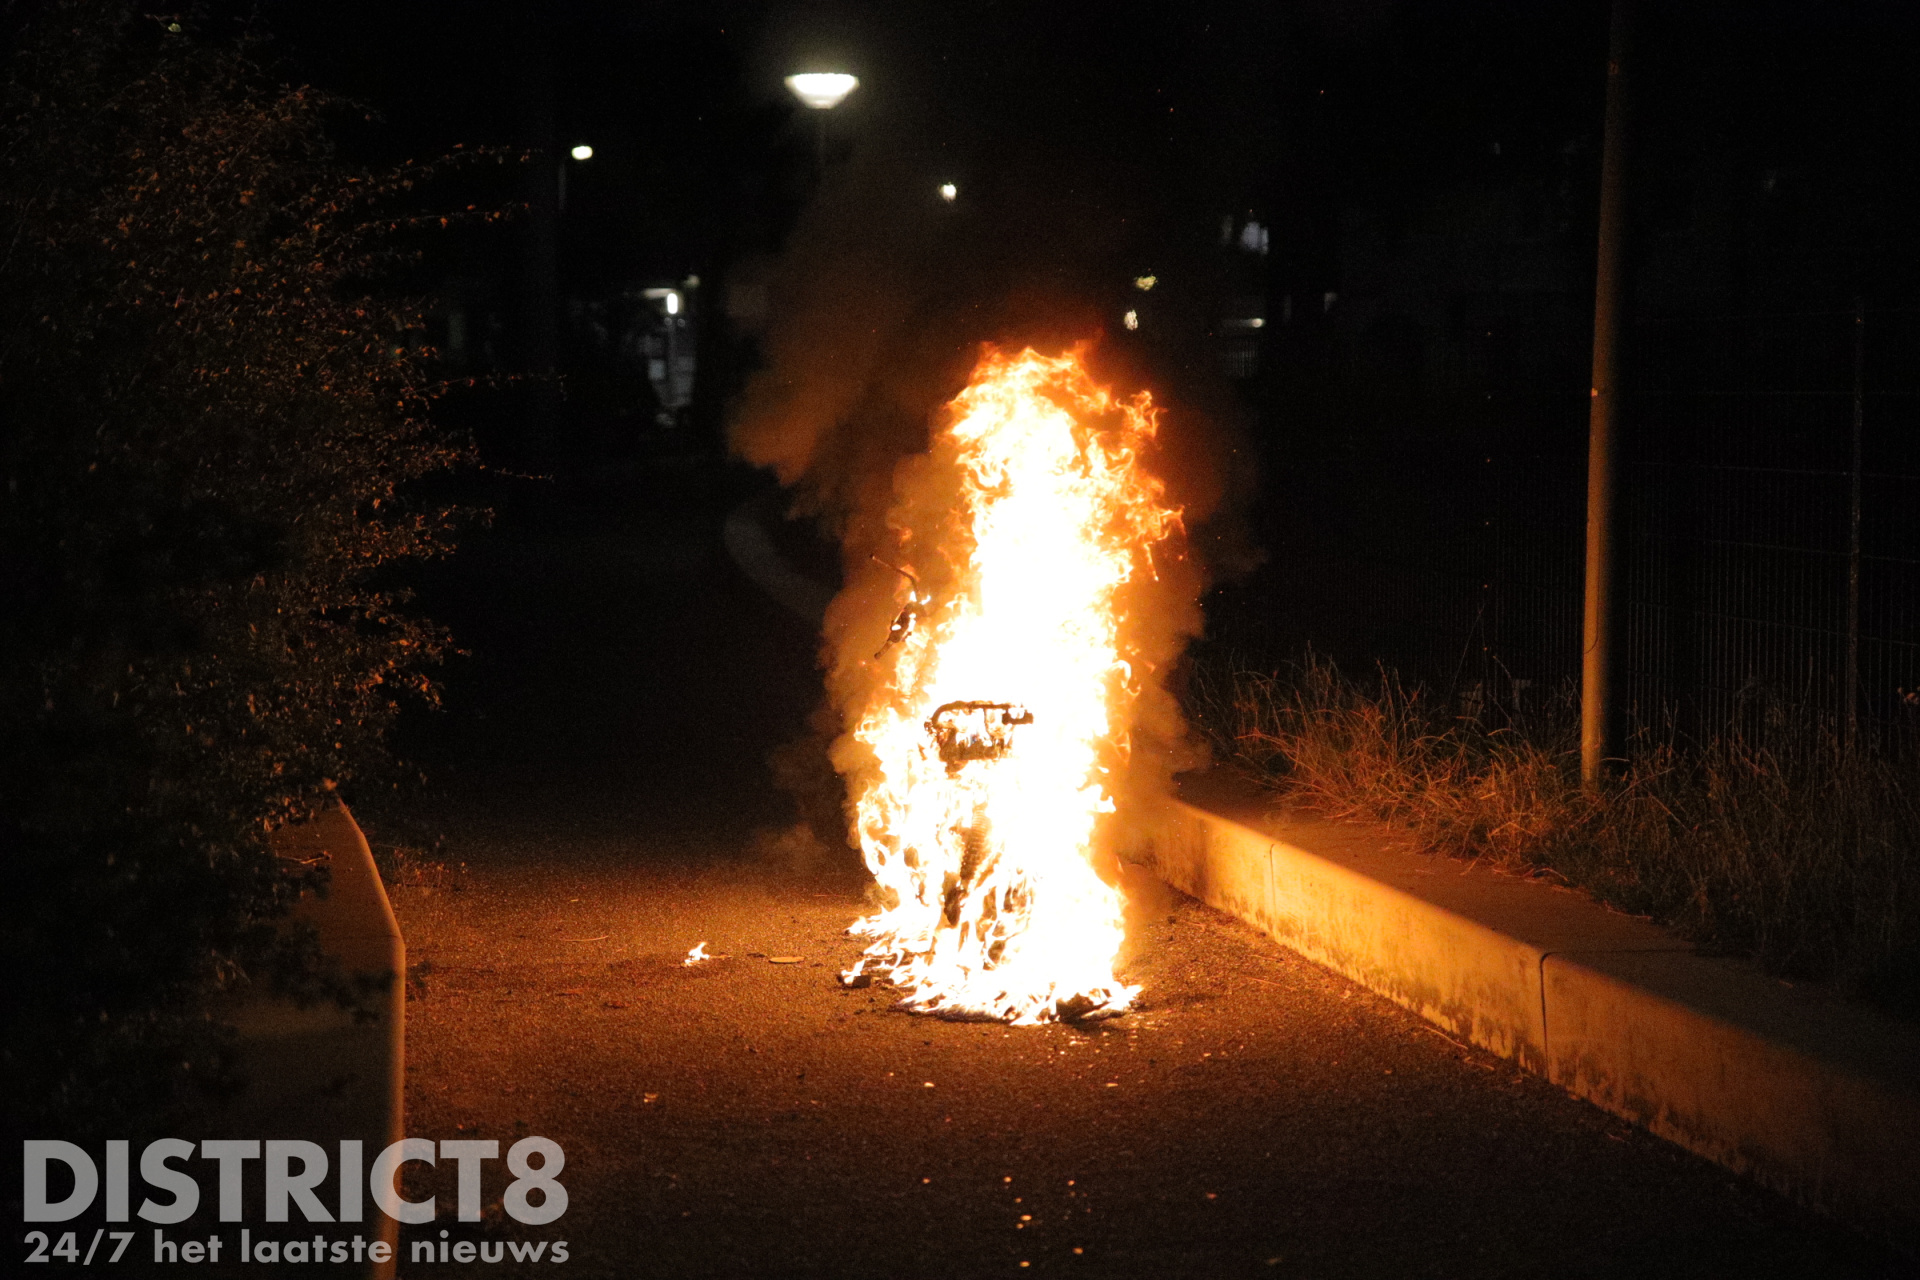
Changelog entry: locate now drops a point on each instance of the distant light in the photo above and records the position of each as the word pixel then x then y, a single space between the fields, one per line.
pixel 582 152
pixel 673 304
pixel 669 299
pixel 1144 283
pixel 1131 319
pixel 822 90
pixel 948 192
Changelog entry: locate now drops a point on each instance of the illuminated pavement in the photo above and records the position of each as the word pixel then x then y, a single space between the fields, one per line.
pixel 1259 1116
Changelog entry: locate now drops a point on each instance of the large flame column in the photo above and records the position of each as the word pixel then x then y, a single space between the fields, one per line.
pixel 988 742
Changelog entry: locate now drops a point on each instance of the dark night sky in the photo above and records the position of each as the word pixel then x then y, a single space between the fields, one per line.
pixel 1161 112
pixel 1432 165
pixel 1147 102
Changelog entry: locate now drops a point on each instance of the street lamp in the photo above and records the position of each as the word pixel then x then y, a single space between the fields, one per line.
pixel 822 91
pixel 582 152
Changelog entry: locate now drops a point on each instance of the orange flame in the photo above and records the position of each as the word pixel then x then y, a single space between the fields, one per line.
pixel 1002 717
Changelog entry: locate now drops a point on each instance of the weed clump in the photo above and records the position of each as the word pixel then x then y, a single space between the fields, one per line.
pixel 1796 850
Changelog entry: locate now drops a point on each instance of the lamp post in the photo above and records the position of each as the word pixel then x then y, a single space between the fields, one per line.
pixel 581 153
pixel 1600 717
pixel 821 92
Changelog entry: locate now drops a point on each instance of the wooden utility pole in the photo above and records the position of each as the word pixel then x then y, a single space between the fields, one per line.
pixel 1600 715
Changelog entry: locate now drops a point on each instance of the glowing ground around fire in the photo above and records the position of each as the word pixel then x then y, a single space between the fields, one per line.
pixel 603 773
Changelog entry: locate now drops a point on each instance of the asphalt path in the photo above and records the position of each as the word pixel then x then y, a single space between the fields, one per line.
pixel 604 803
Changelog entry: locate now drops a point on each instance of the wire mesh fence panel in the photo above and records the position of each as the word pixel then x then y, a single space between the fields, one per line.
pixel 1753 597
pixel 1536 530
pixel 1770 549
pixel 1769 529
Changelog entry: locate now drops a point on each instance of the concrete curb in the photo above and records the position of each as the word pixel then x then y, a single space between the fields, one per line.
pixel 317 1073
pixel 1814 1097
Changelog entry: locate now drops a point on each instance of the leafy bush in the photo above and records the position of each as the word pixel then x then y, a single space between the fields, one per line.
pixel 209 429
pixel 1799 852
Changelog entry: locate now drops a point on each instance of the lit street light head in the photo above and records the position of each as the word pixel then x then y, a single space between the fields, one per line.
pixel 949 192
pixel 822 90
pixel 582 152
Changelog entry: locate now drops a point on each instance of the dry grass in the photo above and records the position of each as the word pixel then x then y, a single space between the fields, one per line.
pixel 1798 852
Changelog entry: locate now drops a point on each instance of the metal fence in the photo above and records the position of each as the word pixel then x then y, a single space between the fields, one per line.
pixel 1771 522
